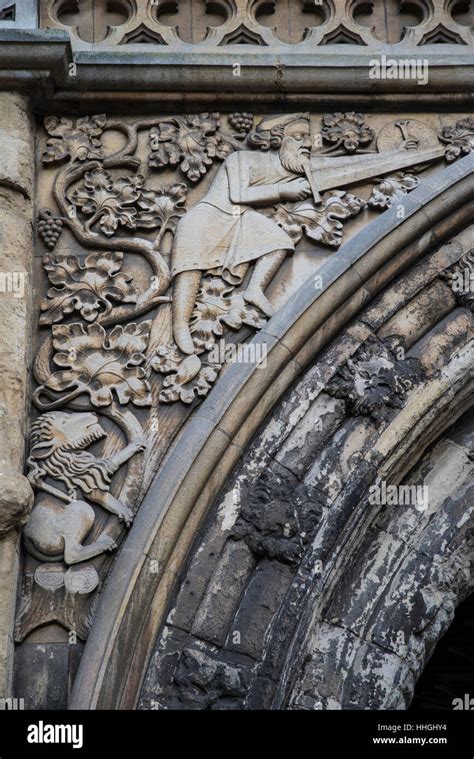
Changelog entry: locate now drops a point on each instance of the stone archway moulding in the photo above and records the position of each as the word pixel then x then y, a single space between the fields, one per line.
pixel 196 467
pixel 436 407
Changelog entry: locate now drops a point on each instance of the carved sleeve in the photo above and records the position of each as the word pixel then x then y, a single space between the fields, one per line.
pixel 241 192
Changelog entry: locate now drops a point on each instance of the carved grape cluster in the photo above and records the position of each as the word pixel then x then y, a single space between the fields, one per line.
pixel 49 227
pixel 242 122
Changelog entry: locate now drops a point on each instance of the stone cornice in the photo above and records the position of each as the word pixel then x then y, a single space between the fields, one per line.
pixel 39 62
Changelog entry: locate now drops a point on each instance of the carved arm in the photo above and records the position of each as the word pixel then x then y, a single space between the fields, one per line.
pixel 241 192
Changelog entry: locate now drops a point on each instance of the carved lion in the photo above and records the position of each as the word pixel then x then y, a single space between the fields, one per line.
pixel 58 442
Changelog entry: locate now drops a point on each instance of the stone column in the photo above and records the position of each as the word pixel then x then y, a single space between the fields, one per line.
pixel 16 330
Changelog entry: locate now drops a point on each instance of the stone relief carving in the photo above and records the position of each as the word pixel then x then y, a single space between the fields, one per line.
pixel 376 379
pixel 100 364
pixel 221 230
pixel 391 189
pixel 216 235
pixel 58 443
pixel 192 142
pixel 460 276
pixel 90 288
pixel 278 519
pixel 346 132
pixel 142 288
pixel 58 526
pixel 204 682
pixel 459 138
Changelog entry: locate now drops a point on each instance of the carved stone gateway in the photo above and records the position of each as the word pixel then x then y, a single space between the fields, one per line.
pixel 248 320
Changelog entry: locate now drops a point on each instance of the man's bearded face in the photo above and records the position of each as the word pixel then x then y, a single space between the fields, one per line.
pixel 295 147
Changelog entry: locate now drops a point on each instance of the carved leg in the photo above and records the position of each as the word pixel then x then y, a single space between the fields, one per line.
pixel 265 270
pixel 78 520
pixel 186 286
pixel 108 502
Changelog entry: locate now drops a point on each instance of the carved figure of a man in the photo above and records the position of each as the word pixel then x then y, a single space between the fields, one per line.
pixel 225 232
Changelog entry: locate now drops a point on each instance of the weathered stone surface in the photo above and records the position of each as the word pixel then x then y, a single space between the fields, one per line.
pixel 16 215
pixel 392 558
pixel 222 596
pixel 16 500
pixel 259 605
pixel 344 672
pixel 202 214
pixel 50 661
pixel 16 160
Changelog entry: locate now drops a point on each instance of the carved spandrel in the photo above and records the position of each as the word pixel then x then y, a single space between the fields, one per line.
pixel 157 250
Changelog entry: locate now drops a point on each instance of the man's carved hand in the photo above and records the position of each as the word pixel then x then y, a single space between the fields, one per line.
pixel 295 189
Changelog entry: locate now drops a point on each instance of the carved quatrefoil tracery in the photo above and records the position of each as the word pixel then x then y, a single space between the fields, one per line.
pixel 262 22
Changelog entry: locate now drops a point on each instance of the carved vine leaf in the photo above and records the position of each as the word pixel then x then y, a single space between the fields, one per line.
pixel 163 207
pixel 391 189
pixel 459 138
pixel 216 306
pixel 323 223
pixel 107 201
pixel 346 130
pixel 193 142
pixel 79 141
pixel 375 380
pixel 101 364
pixel 88 289
pixel 186 378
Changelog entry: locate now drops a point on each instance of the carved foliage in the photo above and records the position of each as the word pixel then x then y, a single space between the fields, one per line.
pixel 162 208
pixel 376 379
pixel 100 364
pixel 78 141
pixel 459 138
pixel 460 276
pixel 193 142
pixel 278 519
pixel 87 288
pixel 108 202
pixel 217 306
pixel 121 202
pixel 348 131
pixel 96 360
pixel 391 189
pixel 323 223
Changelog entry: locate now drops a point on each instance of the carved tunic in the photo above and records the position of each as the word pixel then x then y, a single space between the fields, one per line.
pixel 223 229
